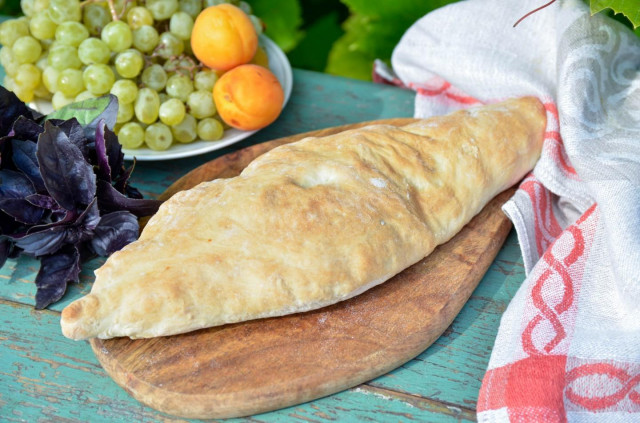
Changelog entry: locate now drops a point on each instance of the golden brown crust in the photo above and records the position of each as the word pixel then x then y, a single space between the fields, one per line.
pixel 309 224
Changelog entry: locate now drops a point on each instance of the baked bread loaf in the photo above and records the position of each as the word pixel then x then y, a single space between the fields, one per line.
pixel 309 224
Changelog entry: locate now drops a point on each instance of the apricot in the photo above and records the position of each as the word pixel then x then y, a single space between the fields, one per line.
pixel 248 97
pixel 223 37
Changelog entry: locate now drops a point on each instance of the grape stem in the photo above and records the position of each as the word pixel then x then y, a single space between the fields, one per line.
pixel 178 62
pixel 533 11
pixel 112 7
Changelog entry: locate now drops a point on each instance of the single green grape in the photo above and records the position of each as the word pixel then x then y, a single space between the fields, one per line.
pixel 192 7
pixel 13 29
pixel 95 17
pixel 131 135
pixel 201 104
pixel 129 63
pixel 93 50
pixel 210 129
pixel 8 61
pixel 125 113
pixel 185 131
pixel 126 90
pixel 169 45
pixel 62 56
pixel 162 9
pixel 28 76
pixel 85 95
pixel 71 33
pixel 147 105
pixel 181 24
pixel 32 7
pixel 145 38
pixel 50 77
pixel 204 80
pixel 60 100
pixel 117 35
pixel 25 95
pixel 26 49
pixel 64 10
pixel 98 78
pixel 154 77
pixel 158 136
pixel 27 7
pixel 179 86
pixel 70 82
pixel 172 111
pixel 42 27
pixel 139 16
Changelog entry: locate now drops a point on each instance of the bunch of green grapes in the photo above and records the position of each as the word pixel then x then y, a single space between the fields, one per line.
pixel 138 50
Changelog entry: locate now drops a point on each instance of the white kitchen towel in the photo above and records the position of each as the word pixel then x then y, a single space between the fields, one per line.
pixel 568 346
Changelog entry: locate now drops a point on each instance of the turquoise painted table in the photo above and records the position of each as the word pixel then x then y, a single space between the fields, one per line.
pixel 46 377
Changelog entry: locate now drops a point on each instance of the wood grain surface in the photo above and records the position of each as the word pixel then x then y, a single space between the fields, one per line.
pixel 267 364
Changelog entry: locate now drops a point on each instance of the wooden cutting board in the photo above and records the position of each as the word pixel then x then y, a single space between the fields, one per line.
pixel 261 365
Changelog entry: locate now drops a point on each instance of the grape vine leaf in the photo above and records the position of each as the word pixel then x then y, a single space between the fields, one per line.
pixel 313 50
pixel 372 32
pixel 282 20
pixel 629 8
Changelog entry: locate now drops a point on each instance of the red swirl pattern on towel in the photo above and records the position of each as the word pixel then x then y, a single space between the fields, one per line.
pixel 561 268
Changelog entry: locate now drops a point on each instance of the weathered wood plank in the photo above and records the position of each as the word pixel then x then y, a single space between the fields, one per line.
pixel 46 377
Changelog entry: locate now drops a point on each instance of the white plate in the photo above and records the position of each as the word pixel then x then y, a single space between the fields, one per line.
pixel 279 65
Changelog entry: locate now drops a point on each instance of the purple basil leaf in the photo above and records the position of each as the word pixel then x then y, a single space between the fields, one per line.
pixel 59 217
pixel 109 199
pixel 14 184
pixel 68 177
pixel 103 170
pixel 75 132
pixel 26 129
pixel 108 114
pixel 21 210
pixel 56 270
pixel 43 201
pixel 114 231
pixel 10 109
pixel 24 158
pixel 42 243
pixel 114 153
pixel 109 154
pixel 82 229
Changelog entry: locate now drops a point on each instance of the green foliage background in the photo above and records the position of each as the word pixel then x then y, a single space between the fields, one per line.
pixel 344 37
